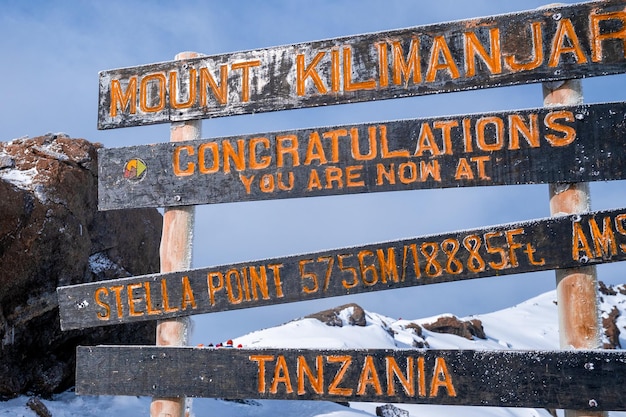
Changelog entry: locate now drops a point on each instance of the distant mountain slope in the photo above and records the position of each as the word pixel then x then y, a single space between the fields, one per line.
pixel 529 325
pixel 532 324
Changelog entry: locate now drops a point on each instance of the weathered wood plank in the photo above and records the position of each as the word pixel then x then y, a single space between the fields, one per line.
pixel 584 380
pixel 565 144
pixel 492 251
pixel 582 40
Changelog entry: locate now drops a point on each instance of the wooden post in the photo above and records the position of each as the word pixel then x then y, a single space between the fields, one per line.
pixel 579 322
pixel 175 252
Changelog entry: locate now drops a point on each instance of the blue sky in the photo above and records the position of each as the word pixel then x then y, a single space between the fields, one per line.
pixel 52 52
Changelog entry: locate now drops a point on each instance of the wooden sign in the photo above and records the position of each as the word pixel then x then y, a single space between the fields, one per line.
pixel 557 43
pixel 498 250
pixel 548 145
pixel 581 380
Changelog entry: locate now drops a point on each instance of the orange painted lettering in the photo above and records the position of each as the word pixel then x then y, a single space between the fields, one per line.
pixel 510 234
pixel 245 77
pixel 107 309
pixel 188 297
pixel 348 84
pixel 230 274
pixel 407 382
pixel 496 251
pixel 315 150
pixel 213 286
pixel 440 50
pixel 388 266
pixel 132 299
pixel 371 144
pixel 498 133
pixel 281 375
pixel 202 158
pixel 303 72
pixel 473 49
pixel 333 175
pixel 149 308
pixel 191 99
pixel 580 243
pixel 124 99
pixel 316 381
pixel 219 92
pixel 334 136
pixel 260 360
pixel 568 131
pixel 287 145
pixel 277 282
pixel 597 38
pixel 117 290
pixel 446 130
pixel 166 301
pixel 603 241
pixel 441 379
pixel 385 153
pixel 160 93
pixel 517 127
pixel 402 68
pixel 537 52
pixel 369 376
pixel 178 170
pixel 265 160
pixel 565 30
pixel 334 388
pixel 354 176
pixel 237 156
pixel 426 142
pixel 314 181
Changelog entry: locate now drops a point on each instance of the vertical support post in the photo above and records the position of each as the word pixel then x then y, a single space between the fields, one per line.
pixel 576 288
pixel 175 252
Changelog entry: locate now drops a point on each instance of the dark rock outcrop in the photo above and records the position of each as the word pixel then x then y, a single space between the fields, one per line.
pixel 452 325
pixel 611 331
pixel 51 234
pixel 331 317
pixel 390 410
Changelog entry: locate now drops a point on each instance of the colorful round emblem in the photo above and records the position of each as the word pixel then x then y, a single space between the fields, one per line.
pixel 135 169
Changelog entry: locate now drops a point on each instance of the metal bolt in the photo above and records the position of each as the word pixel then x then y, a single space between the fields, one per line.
pixel 593 403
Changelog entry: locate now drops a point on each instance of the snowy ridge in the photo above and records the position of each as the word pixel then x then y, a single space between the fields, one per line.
pixel 529 325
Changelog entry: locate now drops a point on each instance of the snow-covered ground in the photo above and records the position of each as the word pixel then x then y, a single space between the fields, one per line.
pixel 530 325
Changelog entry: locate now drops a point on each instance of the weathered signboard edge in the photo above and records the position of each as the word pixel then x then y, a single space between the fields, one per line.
pixel 161 187
pixel 78 308
pixel 172 115
pixel 459 377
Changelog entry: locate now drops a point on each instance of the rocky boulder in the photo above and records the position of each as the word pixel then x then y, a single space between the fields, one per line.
pixel 452 325
pixel 51 234
pixel 351 314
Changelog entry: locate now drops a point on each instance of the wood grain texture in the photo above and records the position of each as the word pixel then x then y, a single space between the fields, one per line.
pixel 586 380
pixel 586 239
pixel 582 40
pixel 549 145
pixel 175 254
pixel 577 296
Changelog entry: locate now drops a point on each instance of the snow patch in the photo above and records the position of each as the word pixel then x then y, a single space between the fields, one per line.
pixel 100 262
pixel 529 325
